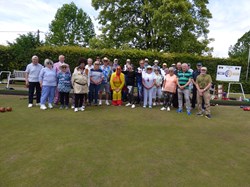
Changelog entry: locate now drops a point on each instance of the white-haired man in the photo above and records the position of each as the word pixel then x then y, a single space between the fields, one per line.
pixel 32 80
pixel 184 79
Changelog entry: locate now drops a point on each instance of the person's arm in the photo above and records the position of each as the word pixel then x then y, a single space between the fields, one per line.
pixel 27 76
pixel 41 75
pixel 154 83
pixel 123 81
pixel 111 82
pixel 143 83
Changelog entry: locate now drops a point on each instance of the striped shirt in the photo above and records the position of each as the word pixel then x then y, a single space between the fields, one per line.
pixel 183 78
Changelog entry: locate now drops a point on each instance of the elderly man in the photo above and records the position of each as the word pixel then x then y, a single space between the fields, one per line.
pixel 164 66
pixel 32 80
pixel 105 86
pixel 56 67
pixel 203 84
pixel 184 79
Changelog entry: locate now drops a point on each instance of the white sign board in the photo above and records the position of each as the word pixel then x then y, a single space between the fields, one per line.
pixel 228 73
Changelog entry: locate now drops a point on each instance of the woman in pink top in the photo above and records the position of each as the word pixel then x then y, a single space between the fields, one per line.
pixel 169 88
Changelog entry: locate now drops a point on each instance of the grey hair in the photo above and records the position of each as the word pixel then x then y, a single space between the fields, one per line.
pixel 46 61
pixel 34 57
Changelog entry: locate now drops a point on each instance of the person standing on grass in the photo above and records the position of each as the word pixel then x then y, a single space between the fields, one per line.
pixel 56 67
pixel 196 73
pixel 64 86
pixel 203 84
pixel 169 89
pixel 140 72
pixel 48 83
pixel 148 81
pixel 80 85
pixel 32 80
pixel 184 79
pixel 105 86
pixel 157 93
pixel 130 75
pixel 117 82
pixel 96 78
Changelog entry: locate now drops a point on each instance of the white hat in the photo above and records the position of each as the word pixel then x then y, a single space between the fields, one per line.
pixel 149 67
pixel 146 59
pixel 156 61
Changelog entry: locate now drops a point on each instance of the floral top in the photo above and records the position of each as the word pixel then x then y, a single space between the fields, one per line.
pixel 64 82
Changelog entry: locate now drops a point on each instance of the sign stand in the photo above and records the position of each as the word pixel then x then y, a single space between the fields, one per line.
pixel 232 83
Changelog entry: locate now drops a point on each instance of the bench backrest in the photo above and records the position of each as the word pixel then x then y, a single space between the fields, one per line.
pixel 19 75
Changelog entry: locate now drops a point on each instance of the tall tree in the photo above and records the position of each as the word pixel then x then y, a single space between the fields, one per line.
pixel 23 48
pixel 241 48
pixel 71 26
pixel 169 25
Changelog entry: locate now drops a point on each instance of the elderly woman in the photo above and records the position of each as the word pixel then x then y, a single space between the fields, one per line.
pixel 117 82
pixel 80 85
pixel 64 85
pixel 169 89
pixel 148 81
pixel 48 82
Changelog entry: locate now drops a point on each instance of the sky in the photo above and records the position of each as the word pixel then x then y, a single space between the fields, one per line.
pixel 231 19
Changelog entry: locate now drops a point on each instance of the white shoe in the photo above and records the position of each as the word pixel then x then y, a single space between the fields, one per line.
pixel 150 107
pixel 168 109
pixel 144 106
pixel 128 104
pixel 107 103
pixel 38 104
pixel 100 102
pixel 43 107
pixel 81 109
pixel 133 106
pixel 30 105
pixel 163 108
pixel 76 110
pixel 154 104
pixel 50 105
pixel 72 106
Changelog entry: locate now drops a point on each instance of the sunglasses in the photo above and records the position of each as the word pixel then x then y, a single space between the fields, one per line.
pixel 49 63
pixel 64 67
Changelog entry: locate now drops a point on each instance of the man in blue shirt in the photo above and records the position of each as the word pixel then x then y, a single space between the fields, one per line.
pixel 105 86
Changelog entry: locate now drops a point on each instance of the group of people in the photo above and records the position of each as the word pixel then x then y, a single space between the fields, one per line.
pixel 53 83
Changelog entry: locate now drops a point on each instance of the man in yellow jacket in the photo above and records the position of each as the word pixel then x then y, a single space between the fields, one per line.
pixel 117 82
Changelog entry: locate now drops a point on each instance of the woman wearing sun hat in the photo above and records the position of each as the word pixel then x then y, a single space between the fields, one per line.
pixel 148 81
pixel 64 85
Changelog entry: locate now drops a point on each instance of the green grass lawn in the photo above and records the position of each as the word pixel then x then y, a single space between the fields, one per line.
pixel 119 146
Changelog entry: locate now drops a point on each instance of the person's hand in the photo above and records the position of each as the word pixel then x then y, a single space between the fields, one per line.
pixel 27 84
pixel 41 85
pixel 181 87
pixel 117 89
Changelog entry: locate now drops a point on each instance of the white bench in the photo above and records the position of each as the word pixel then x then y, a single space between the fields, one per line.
pixel 17 75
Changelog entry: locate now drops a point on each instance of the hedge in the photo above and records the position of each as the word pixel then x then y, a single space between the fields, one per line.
pixel 72 54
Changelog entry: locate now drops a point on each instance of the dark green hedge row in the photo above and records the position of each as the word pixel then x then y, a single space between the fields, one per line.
pixel 9 60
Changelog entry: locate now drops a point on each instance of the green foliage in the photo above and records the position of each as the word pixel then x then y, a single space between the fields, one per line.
pixel 71 26
pixel 172 26
pixel 22 49
pixel 241 48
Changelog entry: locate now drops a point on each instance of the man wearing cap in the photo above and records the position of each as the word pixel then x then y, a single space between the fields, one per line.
pixel 155 66
pixel 106 70
pixel 184 79
pixel 203 84
pixel 176 71
pixel 96 77
pixel 115 64
pixel 196 73
pixel 146 62
pixel 164 66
